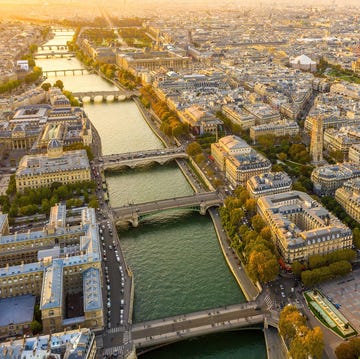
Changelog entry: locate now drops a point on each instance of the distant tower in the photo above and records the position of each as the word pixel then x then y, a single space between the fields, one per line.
pixel 317 139
pixel 190 38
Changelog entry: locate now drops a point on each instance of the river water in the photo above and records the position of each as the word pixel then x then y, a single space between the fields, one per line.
pixel 175 256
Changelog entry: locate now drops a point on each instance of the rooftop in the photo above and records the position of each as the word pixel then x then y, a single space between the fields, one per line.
pixel 16 310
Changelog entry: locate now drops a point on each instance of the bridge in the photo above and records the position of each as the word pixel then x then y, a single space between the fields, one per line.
pixel 64 72
pixel 143 158
pixel 159 332
pixel 54 54
pixel 132 213
pixel 113 95
pixel 53 47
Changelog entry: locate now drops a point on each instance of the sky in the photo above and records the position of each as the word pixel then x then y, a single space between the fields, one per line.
pixel 124 8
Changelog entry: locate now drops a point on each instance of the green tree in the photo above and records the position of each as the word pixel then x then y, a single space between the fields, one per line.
pixel 356 237
pixel 59 84
pixel 257 223
pixel 11 190
pixel 35 327
pixel 193 149
pixel 33 48
pixel 296 268
pixel 46 86
pixel 266 233
pixel 348 350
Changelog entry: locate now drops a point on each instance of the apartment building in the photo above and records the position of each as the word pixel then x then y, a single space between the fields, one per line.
pixel 301 227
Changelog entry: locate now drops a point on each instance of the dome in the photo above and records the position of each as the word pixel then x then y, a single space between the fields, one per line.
pixel 55 148
pixel 54 143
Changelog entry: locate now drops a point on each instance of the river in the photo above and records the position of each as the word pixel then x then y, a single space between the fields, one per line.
pixel 175 256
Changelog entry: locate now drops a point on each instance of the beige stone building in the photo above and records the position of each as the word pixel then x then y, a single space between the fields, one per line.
pixel 277 129
pixel 326 179
pixel 349 198
pixel 239 161
pixel 301 227
pixel 68 261
pixel 268 183
pixel 36 171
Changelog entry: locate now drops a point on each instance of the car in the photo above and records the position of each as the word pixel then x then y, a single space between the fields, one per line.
pixel 110 247
pixel 108 287
pixel 109 325
pixel 122 302
pixel 108 304
pixel 283 295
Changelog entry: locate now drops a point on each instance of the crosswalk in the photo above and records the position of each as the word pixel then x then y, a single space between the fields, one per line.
pixel 115 330
pixel 114 350
pixel 269 303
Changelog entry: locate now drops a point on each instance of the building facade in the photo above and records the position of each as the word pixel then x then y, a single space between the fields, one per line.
pixel 239 161
pixel 36 171
pixel 68 262
pixel 268 183
pixel 79 343
pixel 326 179
pixel 301 227
pixel 349 198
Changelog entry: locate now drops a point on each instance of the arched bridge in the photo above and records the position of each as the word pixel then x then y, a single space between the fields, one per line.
pixel 118 95
pixel 53 47
pixel 142 158
pixel 54 54
pixel 65 72
pixel 159 332
pixel 132 213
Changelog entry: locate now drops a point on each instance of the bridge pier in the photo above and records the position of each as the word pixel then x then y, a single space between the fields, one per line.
pixel 203 208
pixel 135 220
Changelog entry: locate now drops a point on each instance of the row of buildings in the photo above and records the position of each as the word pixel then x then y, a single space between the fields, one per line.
pixel 300 226
pixel 29 128
pixel 54 264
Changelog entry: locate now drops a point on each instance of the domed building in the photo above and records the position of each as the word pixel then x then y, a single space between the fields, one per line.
pixel 41 170
pixel 54 148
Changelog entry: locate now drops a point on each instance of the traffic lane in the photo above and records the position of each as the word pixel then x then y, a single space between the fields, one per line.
pixel 117 291
pixel 189 323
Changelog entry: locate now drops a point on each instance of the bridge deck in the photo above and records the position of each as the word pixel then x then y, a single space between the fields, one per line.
pixel 176 202
pixel 178 327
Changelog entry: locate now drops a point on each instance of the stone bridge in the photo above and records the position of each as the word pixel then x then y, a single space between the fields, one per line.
pixel 132 213
pixel 142 158
pixel 159 332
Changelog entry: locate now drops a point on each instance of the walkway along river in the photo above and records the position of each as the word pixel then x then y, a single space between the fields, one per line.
pixel 175 256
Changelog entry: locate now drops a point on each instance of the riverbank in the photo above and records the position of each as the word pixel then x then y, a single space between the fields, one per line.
pixel 238 270
pixel 148 118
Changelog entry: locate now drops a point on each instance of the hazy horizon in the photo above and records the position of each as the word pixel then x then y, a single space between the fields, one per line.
pixel 125 8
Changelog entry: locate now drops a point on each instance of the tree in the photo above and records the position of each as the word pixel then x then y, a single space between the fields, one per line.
pixel 257 223
pixel 35 327
pixel 314 342
pixel 59 84
pixel 290 319
pixel 356 237
pixel 348 350
pixel 250 205
pixel 193 149
pixel 296 268
pixel 263 266
pixel 33 48
pixel 266 233
pixel 46 86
